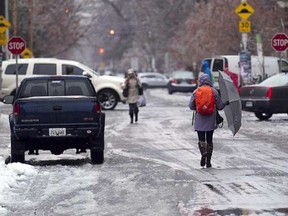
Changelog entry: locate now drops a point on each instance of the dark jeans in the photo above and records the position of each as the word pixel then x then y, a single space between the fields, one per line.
pixel 133 108
pixel 206 136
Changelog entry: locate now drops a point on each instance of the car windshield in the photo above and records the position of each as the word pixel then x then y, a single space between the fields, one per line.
pixel 276 80
pixel 183 74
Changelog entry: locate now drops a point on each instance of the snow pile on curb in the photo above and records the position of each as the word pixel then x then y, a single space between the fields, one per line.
pixel 11 176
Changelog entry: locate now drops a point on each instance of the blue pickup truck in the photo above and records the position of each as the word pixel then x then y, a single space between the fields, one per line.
pixel 56 113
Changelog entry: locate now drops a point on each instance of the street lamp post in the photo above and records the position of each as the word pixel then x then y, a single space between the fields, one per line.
pixel 7 31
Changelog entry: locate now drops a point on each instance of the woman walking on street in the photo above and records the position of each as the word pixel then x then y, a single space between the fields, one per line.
pixel 205 124
pixel 133 84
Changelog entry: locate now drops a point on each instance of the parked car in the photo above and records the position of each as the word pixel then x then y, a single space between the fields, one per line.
pixel 182 81
pixel 108 87
pixel 153 80
pixel 56 113
pixel 266 98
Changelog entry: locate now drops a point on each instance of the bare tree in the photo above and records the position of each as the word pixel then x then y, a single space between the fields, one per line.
pixel 56 25
pixel 213 29
pixel 185 30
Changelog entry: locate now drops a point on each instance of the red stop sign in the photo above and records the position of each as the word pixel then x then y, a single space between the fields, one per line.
pixel 280 42
pixel 16 45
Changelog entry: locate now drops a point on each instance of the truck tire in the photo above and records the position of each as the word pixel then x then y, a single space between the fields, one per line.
pixel 97 156
pixel 17 150
pixel 111 99
pixel 263 116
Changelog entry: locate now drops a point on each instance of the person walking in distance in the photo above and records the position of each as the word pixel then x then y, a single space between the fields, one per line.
pixel 206 70
pixel 133 84
pixel 206 101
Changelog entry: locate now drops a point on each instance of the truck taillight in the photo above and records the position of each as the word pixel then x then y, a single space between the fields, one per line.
pixel 269 93
pixel 97 107
pixel 16 109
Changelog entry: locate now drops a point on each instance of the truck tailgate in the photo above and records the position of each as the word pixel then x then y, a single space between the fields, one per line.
pixel 59 110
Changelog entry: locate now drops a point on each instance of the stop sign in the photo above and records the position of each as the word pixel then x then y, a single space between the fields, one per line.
pixel 280 42
pixel 16 45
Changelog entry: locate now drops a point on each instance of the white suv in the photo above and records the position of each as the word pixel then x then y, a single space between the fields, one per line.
pixel 109 86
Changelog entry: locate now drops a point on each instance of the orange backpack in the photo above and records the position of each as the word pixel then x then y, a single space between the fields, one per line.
pixel 205 100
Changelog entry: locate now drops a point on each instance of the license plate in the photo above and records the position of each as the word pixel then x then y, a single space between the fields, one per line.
pixel 57 131
pixel 249 104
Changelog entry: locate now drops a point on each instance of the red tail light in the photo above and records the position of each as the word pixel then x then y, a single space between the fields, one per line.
pixel 16 109
pixel 173 81
pixel 97 107
pixel 269 93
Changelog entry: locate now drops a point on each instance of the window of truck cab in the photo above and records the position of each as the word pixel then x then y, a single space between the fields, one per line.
pixel 58 87
pixel 218 64
pixel 62 87
pixel 284 66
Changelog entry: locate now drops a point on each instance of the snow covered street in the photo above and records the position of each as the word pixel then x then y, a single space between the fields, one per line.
pixel 152 168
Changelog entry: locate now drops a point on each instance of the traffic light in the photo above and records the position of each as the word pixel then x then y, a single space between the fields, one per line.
pixel 101 51
pixel 112 32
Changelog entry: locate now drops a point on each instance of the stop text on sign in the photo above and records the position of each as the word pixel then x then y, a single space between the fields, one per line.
pixel 16 45
pixel 280 42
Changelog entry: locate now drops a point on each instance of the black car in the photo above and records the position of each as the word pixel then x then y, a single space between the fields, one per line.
pixel 182 81
pixel 266 98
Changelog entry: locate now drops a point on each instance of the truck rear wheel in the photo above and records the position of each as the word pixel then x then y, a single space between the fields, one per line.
pixel 97 156
pixel 17 150
pixel 263 116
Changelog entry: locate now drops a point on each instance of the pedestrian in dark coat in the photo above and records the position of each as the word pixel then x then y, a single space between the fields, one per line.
pixel 206 124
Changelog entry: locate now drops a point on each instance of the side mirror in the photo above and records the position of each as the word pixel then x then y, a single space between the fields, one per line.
pixel 87 74
pixel 8 99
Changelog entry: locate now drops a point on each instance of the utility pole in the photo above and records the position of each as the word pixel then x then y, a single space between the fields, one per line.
pixel 14 17
pixel 1 14
pixel 30 24
pixel 7 31
pixel 244 37
pixel 244 11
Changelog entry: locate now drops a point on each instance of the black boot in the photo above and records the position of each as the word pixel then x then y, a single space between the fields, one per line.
pixel 131 118
pixel 136 116
pixel 209 154
pixel 203 150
